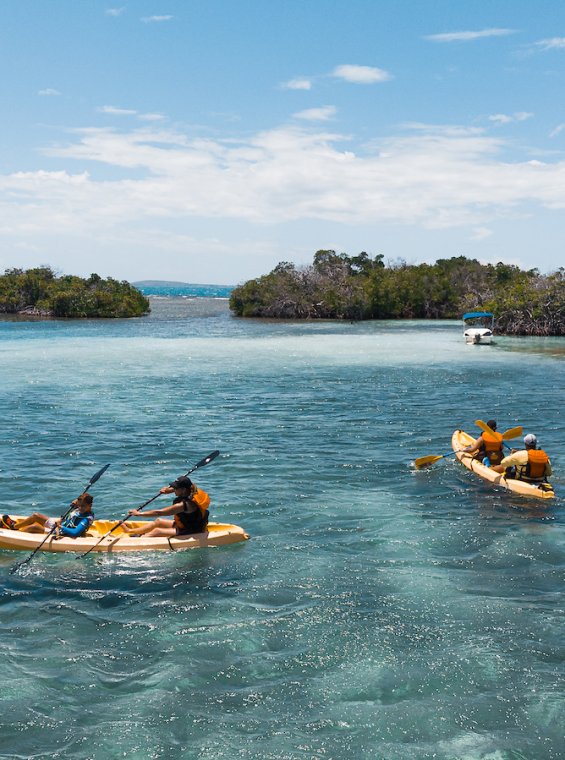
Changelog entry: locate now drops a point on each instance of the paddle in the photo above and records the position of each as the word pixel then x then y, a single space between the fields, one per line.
pixel 201 463
pixel 506 436
pixel 514 432
pixel 431 458
pixel 91 482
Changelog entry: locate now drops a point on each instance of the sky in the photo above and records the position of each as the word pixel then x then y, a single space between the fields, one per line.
pixel 206 141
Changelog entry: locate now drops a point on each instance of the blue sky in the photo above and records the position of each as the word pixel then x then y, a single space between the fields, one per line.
pixel 207 141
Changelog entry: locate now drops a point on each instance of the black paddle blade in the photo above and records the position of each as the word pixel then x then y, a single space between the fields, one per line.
pixel 98 475
pixel 205 461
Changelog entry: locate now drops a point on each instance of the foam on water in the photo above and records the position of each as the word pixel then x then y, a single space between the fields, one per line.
pixel 377 611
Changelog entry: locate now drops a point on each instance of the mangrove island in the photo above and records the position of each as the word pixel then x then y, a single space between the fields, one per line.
pixel 338 286
pixel 40 292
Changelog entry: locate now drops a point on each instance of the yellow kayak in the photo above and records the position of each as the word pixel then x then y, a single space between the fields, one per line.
pixel 218 534
pixel 461 439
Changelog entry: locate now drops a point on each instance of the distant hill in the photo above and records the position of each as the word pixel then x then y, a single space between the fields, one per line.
pixel 174 284
pixel 161 284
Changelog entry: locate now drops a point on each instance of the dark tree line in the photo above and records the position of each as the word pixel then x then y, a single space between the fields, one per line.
pixel 338 286
pixel 39 292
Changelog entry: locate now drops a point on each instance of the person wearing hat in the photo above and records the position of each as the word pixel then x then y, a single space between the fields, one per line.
pixel 189 511
pixel 75 524
pixel 488 447
pixel 531 464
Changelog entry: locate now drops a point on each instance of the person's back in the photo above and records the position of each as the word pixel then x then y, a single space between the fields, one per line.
pixel 492 445
pixel 488 447
pixel 538 466
pixel 529 464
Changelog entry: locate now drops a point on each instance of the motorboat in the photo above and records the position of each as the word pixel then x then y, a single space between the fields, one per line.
pixel 479 327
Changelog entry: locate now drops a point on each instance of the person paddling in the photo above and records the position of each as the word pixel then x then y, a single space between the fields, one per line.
pixel 488 447
pixel 530 464
pixel 189 511
pixel 75 524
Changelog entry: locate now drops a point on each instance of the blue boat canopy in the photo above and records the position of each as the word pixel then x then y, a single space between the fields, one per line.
pixel 476 314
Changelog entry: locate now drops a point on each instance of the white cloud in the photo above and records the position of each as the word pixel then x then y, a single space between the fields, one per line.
pixel 469 36
pixel 49 92
pixel 557 131
pixel 115 11
pixel 156 199
pixel 480 233
pixel 447 130
pixel 116 111
pixel 553 43
pixel 324 113
pixel 361 74
pixel 150 117
pixel 155 19
pixel 434 180
pixel 297 84
pixel 502 118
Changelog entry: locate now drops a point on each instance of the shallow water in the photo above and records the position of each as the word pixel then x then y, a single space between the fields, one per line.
pixel 376 612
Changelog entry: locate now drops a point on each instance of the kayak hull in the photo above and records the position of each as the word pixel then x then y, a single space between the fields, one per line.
pixel 218 534
pixel 461 439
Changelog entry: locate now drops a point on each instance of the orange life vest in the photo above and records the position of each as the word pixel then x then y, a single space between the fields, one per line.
pixel 492 447
pixel 537 460
pixel 201 498
pixel 196 520
pixel 493 442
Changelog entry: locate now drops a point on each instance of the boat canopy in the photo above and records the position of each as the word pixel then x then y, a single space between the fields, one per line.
pixel 477 314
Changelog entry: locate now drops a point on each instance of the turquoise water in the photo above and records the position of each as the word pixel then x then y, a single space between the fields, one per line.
pixel 376 612
pixel 187 290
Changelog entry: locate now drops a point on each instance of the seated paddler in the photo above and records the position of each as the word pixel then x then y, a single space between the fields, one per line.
pixel 73 525
pixel 488 448
pixel 530 463
pixel 189 512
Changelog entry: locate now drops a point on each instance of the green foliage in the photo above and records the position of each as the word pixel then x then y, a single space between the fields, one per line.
pixel 338 286
pixel 39 292
pixel 531 305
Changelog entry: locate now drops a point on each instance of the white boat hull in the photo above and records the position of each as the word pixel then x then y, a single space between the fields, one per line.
pixel 478 336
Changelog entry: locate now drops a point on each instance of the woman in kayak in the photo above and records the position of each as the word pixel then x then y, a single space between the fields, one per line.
pixel 488 447
pixel 530 464
pixel 75 524
pixel 189 511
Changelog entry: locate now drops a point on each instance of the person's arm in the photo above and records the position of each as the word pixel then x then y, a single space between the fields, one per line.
pixel 173 509
pixel 81 527
pixel 472 447
pixel 516 457
pixel 548 468
pixel 507 461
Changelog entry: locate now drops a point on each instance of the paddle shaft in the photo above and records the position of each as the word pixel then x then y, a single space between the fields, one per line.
pixel 202 463
pixel 91 482
pixel 509 434
pixel 430 459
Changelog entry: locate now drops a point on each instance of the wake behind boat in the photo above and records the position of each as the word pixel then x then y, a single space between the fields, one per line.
pixel 461 439
pixel 218 534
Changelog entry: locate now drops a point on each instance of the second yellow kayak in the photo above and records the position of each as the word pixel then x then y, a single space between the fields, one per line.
pixel 461 439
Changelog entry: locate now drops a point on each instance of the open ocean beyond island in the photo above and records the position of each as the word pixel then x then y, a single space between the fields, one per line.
pixel 376 612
